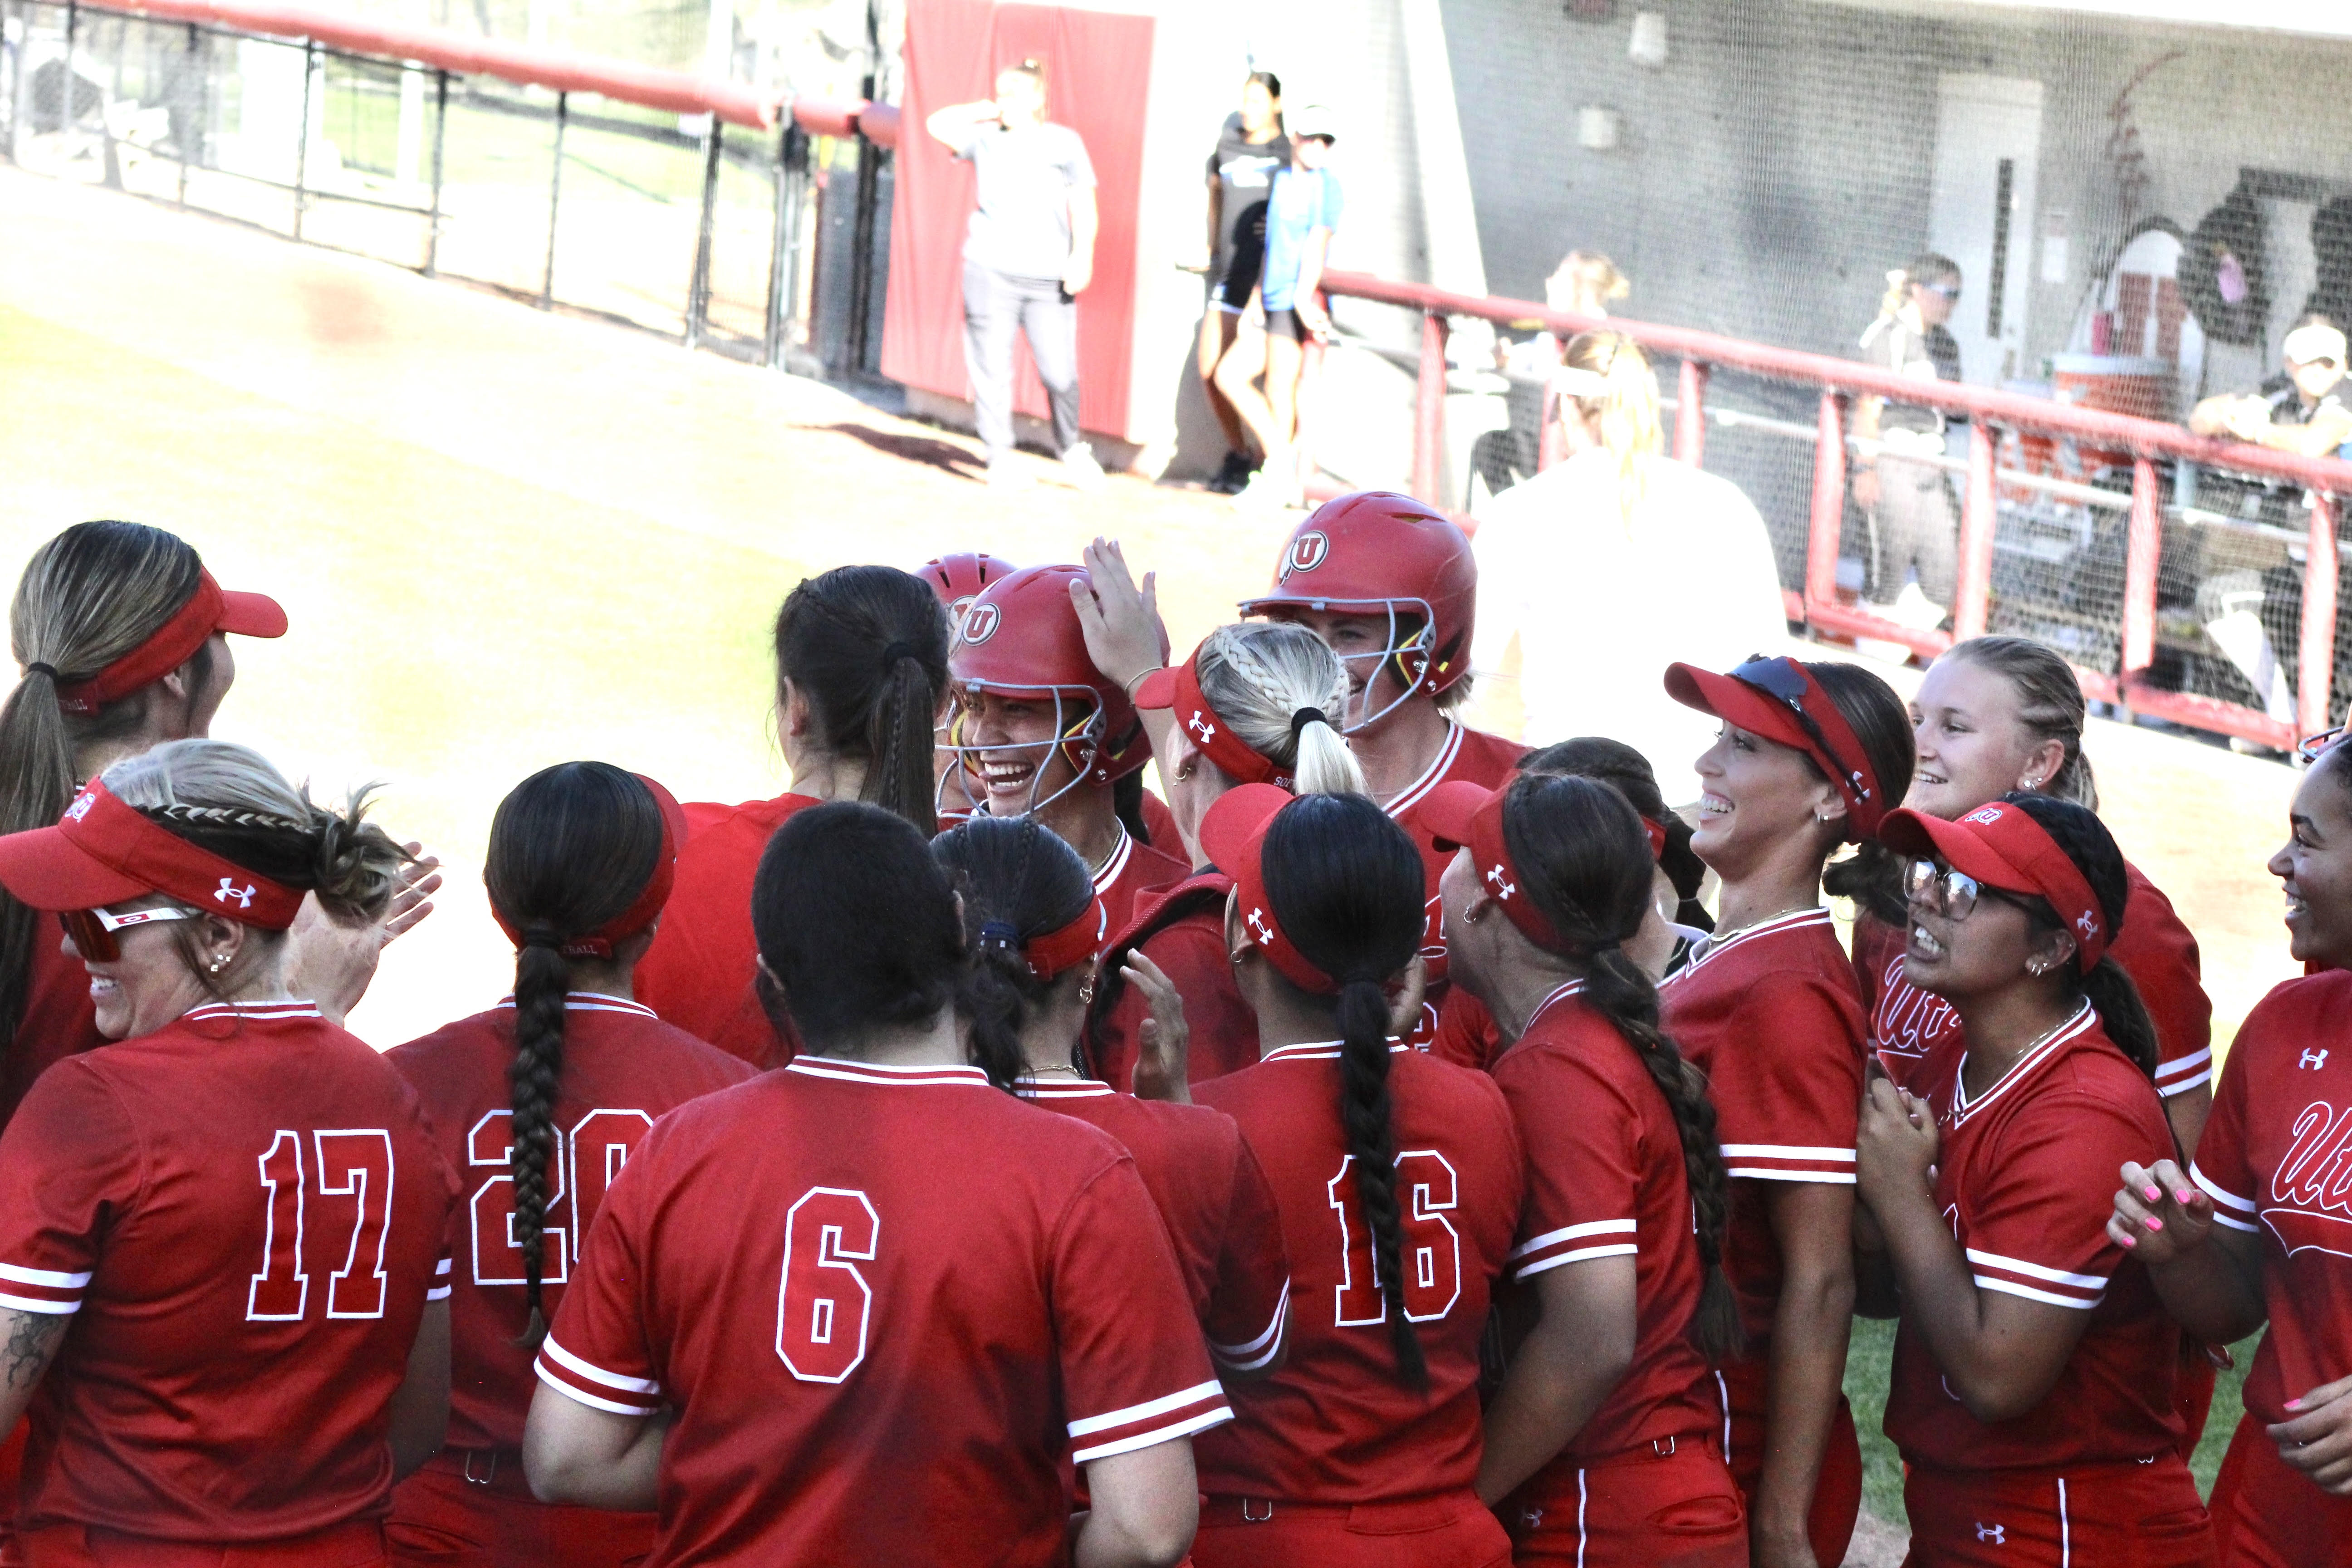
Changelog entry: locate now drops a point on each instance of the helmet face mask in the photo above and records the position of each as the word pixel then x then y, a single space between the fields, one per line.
pixel 1028 731
pixel 1398 644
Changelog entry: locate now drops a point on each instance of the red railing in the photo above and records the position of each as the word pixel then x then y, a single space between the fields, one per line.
pixel 1839 381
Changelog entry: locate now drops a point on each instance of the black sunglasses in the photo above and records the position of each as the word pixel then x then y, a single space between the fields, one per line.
pixel 1783 681
pixel 2311 748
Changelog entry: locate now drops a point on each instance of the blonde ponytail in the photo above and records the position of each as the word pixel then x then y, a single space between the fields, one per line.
pixel 1611 382
pixel 1261 675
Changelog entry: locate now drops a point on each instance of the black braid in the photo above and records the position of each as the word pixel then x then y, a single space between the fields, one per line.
pixel 1618 990
pixel 1364 1115
pixel 541 980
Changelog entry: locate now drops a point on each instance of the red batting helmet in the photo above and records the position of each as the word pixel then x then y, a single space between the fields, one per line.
pixel 1375 552
pixel 957 579
pixel 1020 637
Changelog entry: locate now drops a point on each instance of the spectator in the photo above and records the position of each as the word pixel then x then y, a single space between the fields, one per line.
pixel 1302 211
pixel 1583 284
pixel 1028 255
pixel 1619 558
pixel 1251 149
pixel 2302 410
pixel 1912 519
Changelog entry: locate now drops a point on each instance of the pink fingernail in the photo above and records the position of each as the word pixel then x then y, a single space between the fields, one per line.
pixel 2156 1195
pixel 2294 1405
pixel 2154 1223
pixel 2183 1196
pixel 2131 1241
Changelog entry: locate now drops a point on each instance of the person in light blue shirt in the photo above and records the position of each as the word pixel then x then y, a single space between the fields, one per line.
pixel 1302 211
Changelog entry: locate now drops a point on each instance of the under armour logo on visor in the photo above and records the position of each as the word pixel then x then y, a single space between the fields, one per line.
pixel 1198 724
pixel 980 622
pixel 1992 1532
pixel 1986 815
pixel 2314 1059
pixel 1264 932
pixel 2088 924
pixel 229 890
pixel 1504 885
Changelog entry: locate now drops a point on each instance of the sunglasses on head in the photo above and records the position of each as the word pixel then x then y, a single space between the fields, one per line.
pixel 2311 748
pixel 1781 679
pixel 92 931
pixel 1951 894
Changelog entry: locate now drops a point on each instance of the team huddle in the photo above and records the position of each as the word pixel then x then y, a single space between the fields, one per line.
pixel 1372 1153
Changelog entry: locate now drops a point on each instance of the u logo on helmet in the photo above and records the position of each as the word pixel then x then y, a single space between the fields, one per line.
pixel 955 608
pixel 1307 552
pixel 980 622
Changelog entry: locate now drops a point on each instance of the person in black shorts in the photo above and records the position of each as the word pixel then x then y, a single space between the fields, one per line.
pixel 1250 147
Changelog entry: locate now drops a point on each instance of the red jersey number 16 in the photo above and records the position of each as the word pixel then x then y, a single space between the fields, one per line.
pixel 1429 1250
pixel 332 1206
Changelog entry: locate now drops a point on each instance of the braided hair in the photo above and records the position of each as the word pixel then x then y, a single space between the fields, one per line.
pixel 571 848
pixel 1346 887
pixel 2108 987
pixel 1584 855
pixel 868 647
pixel 1018 880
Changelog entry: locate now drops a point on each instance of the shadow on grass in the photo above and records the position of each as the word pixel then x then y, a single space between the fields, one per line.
pixel 945 455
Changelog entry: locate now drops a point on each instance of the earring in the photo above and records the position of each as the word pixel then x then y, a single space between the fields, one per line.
pixel 1087 992
pixel 2036 968
pixel 218 964
pixel 2034 784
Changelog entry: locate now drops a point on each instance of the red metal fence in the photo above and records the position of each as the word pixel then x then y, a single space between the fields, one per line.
pixel 1838 382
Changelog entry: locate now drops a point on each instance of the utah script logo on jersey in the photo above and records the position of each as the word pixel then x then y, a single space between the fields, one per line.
pixel 2311 1191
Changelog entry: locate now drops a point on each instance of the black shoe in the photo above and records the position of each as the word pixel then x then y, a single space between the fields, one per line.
pixel 1233 476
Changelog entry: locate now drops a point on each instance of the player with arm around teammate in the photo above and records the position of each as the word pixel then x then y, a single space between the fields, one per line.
pixel 861 683
pixel 2250 1234
pixel 536 1103
pixel 1605 1438
pixel 224 1274
pixel 1810 756
pixel 1033 921
pixel 866 1308
pixel 2033 1393
pixel 1398 1180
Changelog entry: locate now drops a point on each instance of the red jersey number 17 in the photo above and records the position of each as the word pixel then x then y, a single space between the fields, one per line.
pixel 347 1195
pixel 1429 1249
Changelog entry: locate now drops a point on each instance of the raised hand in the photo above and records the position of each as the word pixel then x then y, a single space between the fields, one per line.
pixel 2160 1215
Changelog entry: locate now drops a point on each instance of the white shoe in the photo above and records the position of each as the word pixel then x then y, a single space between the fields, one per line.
pixel 1080 468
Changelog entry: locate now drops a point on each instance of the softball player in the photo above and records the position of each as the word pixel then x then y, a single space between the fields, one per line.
pixel 1039 729
pixel 1810 756
pixel 865 1309
pixel 2032 1395
pixel 1605 1437
pixel 1033 921
pixel 236 1208
pixel 1399 1179
pixel 861 682
pixel 537 1102
pixel 2253 1233
pixel 1391 586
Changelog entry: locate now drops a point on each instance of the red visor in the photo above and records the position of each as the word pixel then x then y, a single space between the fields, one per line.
pixel 1234 833
pixel 1781 716
pixel 1462 815
pixel 1057 952
pixel 598 943
pixel 208 610
pixel 102 852
pixel 2003 847
pixel 1179 689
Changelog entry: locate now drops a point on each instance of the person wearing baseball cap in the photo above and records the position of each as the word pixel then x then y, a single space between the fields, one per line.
pixel 1621 1244
pixel 1810 756
pixel 1369 1429
pixel 2303 409
pixel 2034 1370
pixel 189 1200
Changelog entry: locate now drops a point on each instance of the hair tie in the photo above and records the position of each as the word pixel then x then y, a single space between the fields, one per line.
pixel 540 934
pixel 1000 933
pixel 1304 717
pixel 897 651
pixel 38 668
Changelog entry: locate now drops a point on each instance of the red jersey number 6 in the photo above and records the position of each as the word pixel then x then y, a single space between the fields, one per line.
pixel 824 1304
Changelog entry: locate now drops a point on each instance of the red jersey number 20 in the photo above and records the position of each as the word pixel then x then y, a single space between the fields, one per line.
pixel 824 1304
pixel 343 1196
pixel 582 1164
pixel 1429 1249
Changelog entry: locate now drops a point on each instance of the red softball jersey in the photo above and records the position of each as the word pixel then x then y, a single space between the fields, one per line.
pixel 1180 928
pixel 60 1020
pixel 1337 1422
pixel 1133 870
pixel 2276 1158
pixel 622 1068
pixel 2026 1178
pixel 1219 1209
pixel 1605 1178
pixel 887 1304
pixel 698 973
pixel 245 1214
pixel 1160 825
pixel 1772 1017
pixel 1908 1025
